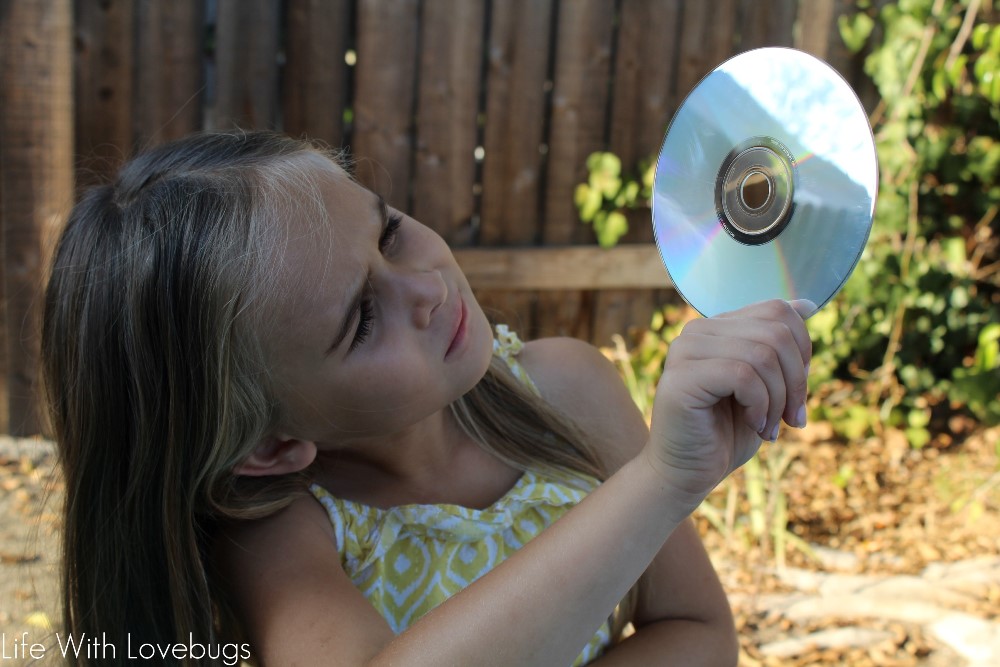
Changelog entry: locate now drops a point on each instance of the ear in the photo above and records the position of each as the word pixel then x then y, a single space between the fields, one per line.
pixel 277 456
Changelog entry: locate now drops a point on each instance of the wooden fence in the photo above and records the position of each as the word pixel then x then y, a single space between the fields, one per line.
pixel 474 115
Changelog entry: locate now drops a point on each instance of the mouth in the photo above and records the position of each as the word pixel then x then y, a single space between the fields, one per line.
pixel 458 329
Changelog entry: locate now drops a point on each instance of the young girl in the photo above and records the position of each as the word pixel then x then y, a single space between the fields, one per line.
pixel 289 433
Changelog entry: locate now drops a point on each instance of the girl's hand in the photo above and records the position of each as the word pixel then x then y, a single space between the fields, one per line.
pixel 727 383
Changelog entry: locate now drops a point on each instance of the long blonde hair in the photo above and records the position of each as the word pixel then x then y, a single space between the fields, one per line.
pixel 157 385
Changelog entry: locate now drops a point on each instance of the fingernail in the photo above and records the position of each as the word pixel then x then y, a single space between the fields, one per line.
pixel 804 307
pixel 800 416
pixel 773 435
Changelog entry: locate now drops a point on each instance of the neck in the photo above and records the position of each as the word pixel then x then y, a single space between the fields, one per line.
pixel 413 461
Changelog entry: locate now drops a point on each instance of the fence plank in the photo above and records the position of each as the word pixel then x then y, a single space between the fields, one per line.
pixel 707 39
pixel 36 177
pixel 644 67
pixel 102 67
pixel 586 267
pixel 819 34
pixel 447 110
pixel 169 94
pixel 640 111
pixel 579 107
pixel 518 53
pixel 383 98
pixel 314 83
pixel 515 119
pixel 766 23
pixel 510 207
pixel 246 56
pixel 579 104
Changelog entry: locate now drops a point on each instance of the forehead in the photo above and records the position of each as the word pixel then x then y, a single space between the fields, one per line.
pixel 328 221
pixel 323 208
pixel 319 191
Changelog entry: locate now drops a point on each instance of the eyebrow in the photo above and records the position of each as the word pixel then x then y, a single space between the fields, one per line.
pixel 382 210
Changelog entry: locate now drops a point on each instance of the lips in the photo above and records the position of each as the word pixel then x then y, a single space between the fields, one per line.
pixel 458 329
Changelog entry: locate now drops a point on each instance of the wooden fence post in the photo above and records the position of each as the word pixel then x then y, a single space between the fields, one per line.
pixel 582 70
pixel 449 81
pixel 36 183
pixel 645 62
pixel 385 85
pixel 167 70
pixel 246 50
pixel 315 79
pixel 512 181
pixel 102 63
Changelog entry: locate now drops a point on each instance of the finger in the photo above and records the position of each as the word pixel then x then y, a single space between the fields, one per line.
pixel 791 313
pixel 794 367
pixel 804 307
pixel 752 347
pixel 706 383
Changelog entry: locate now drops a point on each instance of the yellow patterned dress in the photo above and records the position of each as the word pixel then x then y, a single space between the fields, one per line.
pixel 406 560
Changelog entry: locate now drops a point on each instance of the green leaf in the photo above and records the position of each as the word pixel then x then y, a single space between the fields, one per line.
pixel 612 228
pixel 605 173
pixel 939 85
pixel 648 176
pixel 979 36
pixel 988 348
pixel 843 476
pixel 917 437
pixel 957 69
pixel 954 252
pixel 588 201
pixel 854 30
pixel 630 193
pixel 918 418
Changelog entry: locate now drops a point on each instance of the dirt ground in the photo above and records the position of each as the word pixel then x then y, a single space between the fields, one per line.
pixel 874 507
pixel 29 545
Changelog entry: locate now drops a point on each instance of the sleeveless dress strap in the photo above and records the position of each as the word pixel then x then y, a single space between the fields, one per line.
pixel 507 346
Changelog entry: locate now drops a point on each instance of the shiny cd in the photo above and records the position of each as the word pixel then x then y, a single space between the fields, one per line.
pixel 765 184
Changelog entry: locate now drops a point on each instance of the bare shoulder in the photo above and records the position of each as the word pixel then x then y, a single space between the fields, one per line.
pixel 303 519
pixel 285 545
pixel 579 381
pixel 295 602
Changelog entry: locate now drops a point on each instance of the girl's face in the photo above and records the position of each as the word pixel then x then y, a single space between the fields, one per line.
pixel 376 328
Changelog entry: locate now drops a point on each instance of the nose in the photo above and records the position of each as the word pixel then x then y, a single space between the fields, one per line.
pixel 424 291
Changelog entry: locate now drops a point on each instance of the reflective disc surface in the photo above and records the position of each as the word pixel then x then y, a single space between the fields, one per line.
pixel 765 183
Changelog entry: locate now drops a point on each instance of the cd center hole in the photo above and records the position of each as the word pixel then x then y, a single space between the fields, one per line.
pixel 755 190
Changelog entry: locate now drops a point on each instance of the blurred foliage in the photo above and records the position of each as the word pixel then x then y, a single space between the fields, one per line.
pixel 914 337
pixel 608 192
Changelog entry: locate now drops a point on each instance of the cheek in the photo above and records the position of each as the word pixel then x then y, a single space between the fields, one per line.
pixel 396 385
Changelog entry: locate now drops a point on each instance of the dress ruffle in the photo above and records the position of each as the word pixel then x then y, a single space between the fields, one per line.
pixel 364 533
pixel 507 346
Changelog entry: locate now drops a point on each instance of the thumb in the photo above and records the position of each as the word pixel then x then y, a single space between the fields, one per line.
pixel 804 307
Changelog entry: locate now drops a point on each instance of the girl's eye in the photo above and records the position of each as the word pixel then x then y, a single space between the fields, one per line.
pixel 389 234
pixel 366 314
pixel 366 317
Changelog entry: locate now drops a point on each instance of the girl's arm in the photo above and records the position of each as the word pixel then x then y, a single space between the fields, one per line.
pixel 682 614
pixel 724 383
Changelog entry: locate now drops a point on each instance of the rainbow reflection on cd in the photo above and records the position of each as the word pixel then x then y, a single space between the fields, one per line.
pixel 765 184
